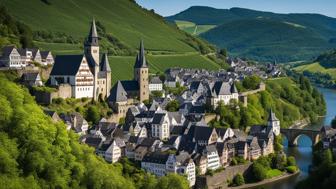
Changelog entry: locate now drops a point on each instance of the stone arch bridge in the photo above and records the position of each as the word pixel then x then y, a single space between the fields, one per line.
pixel 292 135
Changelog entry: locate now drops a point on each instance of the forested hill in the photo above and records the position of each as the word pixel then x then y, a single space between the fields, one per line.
pixel 261 35
pixel 35 152
pixel 62 25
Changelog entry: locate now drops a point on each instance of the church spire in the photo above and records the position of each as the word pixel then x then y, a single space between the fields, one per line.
pixel 141 58
pixel 92 39
pixel 105 65
pixel 271 116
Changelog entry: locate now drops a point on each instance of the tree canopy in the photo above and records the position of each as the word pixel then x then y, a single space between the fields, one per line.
pixel 35 152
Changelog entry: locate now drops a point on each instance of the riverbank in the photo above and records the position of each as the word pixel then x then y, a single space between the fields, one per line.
pixel 266 181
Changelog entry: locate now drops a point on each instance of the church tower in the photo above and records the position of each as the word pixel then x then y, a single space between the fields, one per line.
pixel 91 51
pixel 91 45
pixel 141 73
pixel 274 123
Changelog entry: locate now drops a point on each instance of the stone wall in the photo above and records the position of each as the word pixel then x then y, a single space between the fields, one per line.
pixel 63 91
pixel 219 180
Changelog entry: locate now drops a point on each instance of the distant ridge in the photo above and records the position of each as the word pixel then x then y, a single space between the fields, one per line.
pixel 263 36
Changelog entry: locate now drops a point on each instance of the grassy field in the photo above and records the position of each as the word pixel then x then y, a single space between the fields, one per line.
pixel 273 173
pixel 60 48
pixel 124 19
pixel 192 28
pixel 316 68
pixel 122 67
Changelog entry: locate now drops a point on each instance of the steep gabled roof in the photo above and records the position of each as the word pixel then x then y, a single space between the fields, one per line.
pixel 30 76
pixel 44 54
pixel 158 118
pixel 202 133
pixel 118 93
pixel 105 65
pixel 155 80
pixel 140 61
pixel 7 50
pixel 67 64
pixel 157 157
pixel 222 88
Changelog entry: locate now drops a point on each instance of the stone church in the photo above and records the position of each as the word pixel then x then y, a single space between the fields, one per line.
pixel 88 74
pixel 126 93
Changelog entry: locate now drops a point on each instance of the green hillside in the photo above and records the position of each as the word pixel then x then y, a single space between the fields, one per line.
pixel 324 64
pixel 124 21
pixel 267 40
pixel 264 36
pixel 122 66
pixel 193 28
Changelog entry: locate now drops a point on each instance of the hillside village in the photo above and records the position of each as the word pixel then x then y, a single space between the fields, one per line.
pixel 162 141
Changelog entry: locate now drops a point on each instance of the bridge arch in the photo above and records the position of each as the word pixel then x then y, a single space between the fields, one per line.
pixel 293 135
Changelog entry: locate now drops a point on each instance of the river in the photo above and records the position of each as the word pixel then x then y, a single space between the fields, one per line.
pixel 303 153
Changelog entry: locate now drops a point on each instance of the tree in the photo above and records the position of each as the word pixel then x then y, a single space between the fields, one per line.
pixel 157 94
pixel 173 106
pixel 92 114
pixel 251 82
pixel 291 161
pixel 327 157
pixel 40 153
pixel 173 181
pixel 333 123
pixel 259 172
pixel 238 180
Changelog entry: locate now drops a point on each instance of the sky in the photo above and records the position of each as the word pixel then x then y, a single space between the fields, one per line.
pixel 171 7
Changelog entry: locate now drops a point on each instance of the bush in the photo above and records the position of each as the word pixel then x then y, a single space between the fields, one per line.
pixel 234 161
pixel 173 106
pixel 291 161
pixel 291 169
pixel 92 114
pixel 238 180
pixel 259 172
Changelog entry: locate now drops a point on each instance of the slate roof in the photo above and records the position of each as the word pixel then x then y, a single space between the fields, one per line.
pixel 93 141
pixel 223 88
pixel 92 39
pixel 201 132
pixel 155 80
pixel 195 85
pixel 130 85
pixel 177 130
pixel 221 131
pixel 44 54
pixel 133 139
pixel 30 76
pixel 210 149
pixel 104 64
pixel 183 158
pixel 7 50
pixel 148 142
pixel 158 118
pixel 176 115
pixel 67 64
pixel 159 158
pixel 172 140
pixel 240 145
pixel 221 146
pixel 254 144
pixel 197 110
pixel 118 93
pixel 140 61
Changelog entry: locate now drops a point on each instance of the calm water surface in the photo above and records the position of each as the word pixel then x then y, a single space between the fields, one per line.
pixel 303 153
